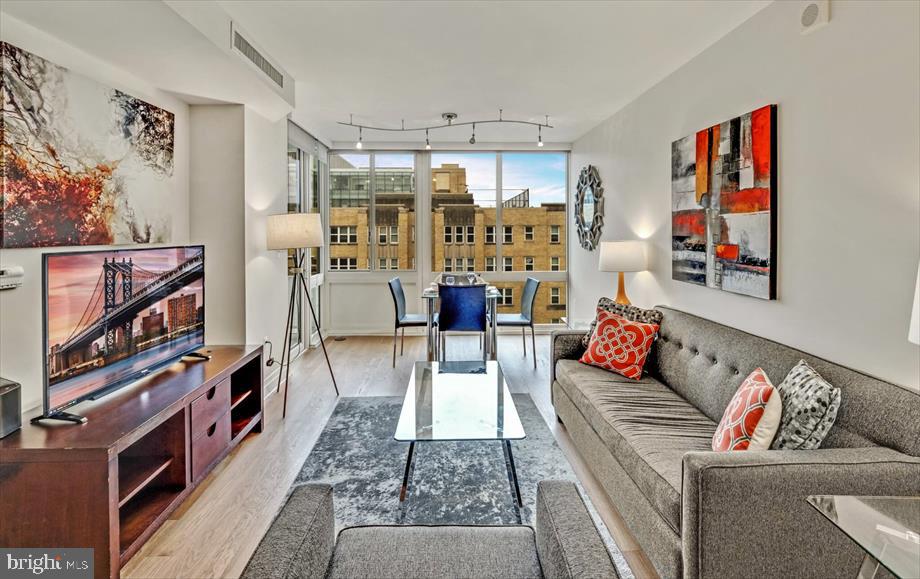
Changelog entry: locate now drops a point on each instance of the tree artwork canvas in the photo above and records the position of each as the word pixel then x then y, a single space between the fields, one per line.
pixel 80 163
pixel 723 206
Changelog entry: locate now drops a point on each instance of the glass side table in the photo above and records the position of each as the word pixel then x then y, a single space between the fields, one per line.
pixel 886 528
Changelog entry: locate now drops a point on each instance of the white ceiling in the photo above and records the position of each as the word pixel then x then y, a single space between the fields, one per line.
pixel 578 62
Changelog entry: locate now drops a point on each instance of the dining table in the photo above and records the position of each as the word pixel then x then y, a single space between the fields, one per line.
pixel 430 295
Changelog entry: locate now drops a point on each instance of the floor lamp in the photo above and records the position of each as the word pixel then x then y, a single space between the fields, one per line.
pixel 297 231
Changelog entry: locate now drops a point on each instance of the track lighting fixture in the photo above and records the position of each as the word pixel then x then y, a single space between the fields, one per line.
pixel 449 119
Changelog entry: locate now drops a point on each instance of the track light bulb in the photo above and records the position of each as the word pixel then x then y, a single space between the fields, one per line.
pixel 473 138
pixel 427 144
pixel 359 144
pixel 539 136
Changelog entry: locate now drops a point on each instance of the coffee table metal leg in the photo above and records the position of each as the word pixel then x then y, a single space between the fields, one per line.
pixel 405 484
pixel 512 474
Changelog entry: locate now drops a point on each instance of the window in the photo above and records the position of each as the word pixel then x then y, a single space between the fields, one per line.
pixel 343 263
pixel 490 264
pixel 509 234
pixel 509 264
pixel 458 234
pixel 554 234
pixel 470 264
pixel 448 234
pixel 394 204
pixel 448 265
pixel 382 263
pixel 554 293
pixel 528 233
pixel 382 236
pixel 349 203
pixel 343 235
pixel 507 297
pixel 394 263
pixel 394 235
pixel 471 234
pixel 528 264
pixel 490 234
pixel 554 263
pixel 463 195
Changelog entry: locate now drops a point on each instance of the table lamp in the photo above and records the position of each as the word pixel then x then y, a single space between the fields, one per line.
pixel 622 256
pixel 914 333
pixel 296 231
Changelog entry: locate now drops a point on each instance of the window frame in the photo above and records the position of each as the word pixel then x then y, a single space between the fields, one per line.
pixel 555 296
pixel 555 234
pixel 528 233
pixel 490 263
pixel 507 235
pixel 508 263
pixel 490 235
pixel 555 263
pixel 530 266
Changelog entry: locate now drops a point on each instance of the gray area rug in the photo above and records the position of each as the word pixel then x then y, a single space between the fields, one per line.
pixel 452 482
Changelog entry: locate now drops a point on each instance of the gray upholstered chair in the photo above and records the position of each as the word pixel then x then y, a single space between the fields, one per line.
pixel 524 319
pixel 301 544
pixel 404 320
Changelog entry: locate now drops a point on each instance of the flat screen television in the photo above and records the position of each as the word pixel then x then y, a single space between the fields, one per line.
pixel 113 316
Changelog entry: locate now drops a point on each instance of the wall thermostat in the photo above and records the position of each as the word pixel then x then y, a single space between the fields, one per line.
pixel 11 276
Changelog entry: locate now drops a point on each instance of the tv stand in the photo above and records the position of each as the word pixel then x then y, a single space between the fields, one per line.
pixel 197 356
pixel 63 416
pixel 110 483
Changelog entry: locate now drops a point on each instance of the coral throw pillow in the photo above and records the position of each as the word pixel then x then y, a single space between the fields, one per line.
pixel 752 418
pixel 619 345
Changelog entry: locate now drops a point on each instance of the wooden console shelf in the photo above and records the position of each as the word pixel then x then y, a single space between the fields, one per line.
pixel 111 482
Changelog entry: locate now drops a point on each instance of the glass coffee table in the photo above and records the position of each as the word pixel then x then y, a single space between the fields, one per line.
pixel 886 528
pixel 459 401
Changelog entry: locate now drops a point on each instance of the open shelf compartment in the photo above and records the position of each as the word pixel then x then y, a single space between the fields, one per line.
pixel 245 398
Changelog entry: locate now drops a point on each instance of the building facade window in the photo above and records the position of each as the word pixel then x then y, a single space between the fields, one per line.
pixel 507 297
pixel 382 263
pixel 554 234
pixel 508 264
pixel 554 263
pixel 470 264
pixel 343 263
pixel 528 263
pixel 490 234
pixel 470 235
pixel 458 234
pixel 528 233
pixel 448 235
pixel 382 235
pixel 554 296
pixel 394 263
pixel 343 235
pixel 508 237
pixel 448 265
pixel 490 263
pixel 394 235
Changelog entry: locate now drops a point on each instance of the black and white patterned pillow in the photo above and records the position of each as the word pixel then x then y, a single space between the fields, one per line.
pixel 631 313
pixel 810 406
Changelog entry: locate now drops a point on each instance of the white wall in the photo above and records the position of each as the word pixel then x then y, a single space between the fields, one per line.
pixel 849 180
pixel 217 216
pixel 266 194
pixel 21 309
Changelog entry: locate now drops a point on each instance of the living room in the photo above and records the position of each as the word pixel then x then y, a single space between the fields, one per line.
pixel 608 256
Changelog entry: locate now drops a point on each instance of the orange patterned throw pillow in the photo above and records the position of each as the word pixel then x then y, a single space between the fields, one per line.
pixel 620 345
pixel 752 418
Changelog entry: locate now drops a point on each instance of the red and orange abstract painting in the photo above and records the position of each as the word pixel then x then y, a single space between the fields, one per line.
pixel 80 163
pixel 723 205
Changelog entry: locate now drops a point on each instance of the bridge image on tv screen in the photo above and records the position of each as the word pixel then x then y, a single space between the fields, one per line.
pixel 113 314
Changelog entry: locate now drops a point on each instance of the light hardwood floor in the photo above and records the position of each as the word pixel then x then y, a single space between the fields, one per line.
pixel 216 530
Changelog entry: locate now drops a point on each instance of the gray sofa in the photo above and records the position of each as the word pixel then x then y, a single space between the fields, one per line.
pixel 699 513
pixel 301 543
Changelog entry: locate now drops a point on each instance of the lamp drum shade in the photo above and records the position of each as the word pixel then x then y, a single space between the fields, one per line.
pixel 914 334
pixel 623 256
pixel 294 231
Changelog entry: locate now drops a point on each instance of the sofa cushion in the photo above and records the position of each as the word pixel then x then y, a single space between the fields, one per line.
pixel 646 426
pixel 422 551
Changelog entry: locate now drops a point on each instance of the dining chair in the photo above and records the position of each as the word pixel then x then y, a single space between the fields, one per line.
pixel 462 309
pixel 525 318
pixel 404 320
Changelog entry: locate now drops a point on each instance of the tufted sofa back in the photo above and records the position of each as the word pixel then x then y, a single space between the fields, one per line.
pixel 705 362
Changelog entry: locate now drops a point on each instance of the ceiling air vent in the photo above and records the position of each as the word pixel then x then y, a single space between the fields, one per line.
pixel 254 56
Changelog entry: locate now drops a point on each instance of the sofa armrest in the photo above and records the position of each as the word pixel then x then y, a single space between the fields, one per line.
pixel 565 345
pixel 744 513
pixel 300 541
pixel 568 543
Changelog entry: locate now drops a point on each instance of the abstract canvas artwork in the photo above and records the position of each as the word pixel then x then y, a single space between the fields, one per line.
pixel 80 163
pixel 723 205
